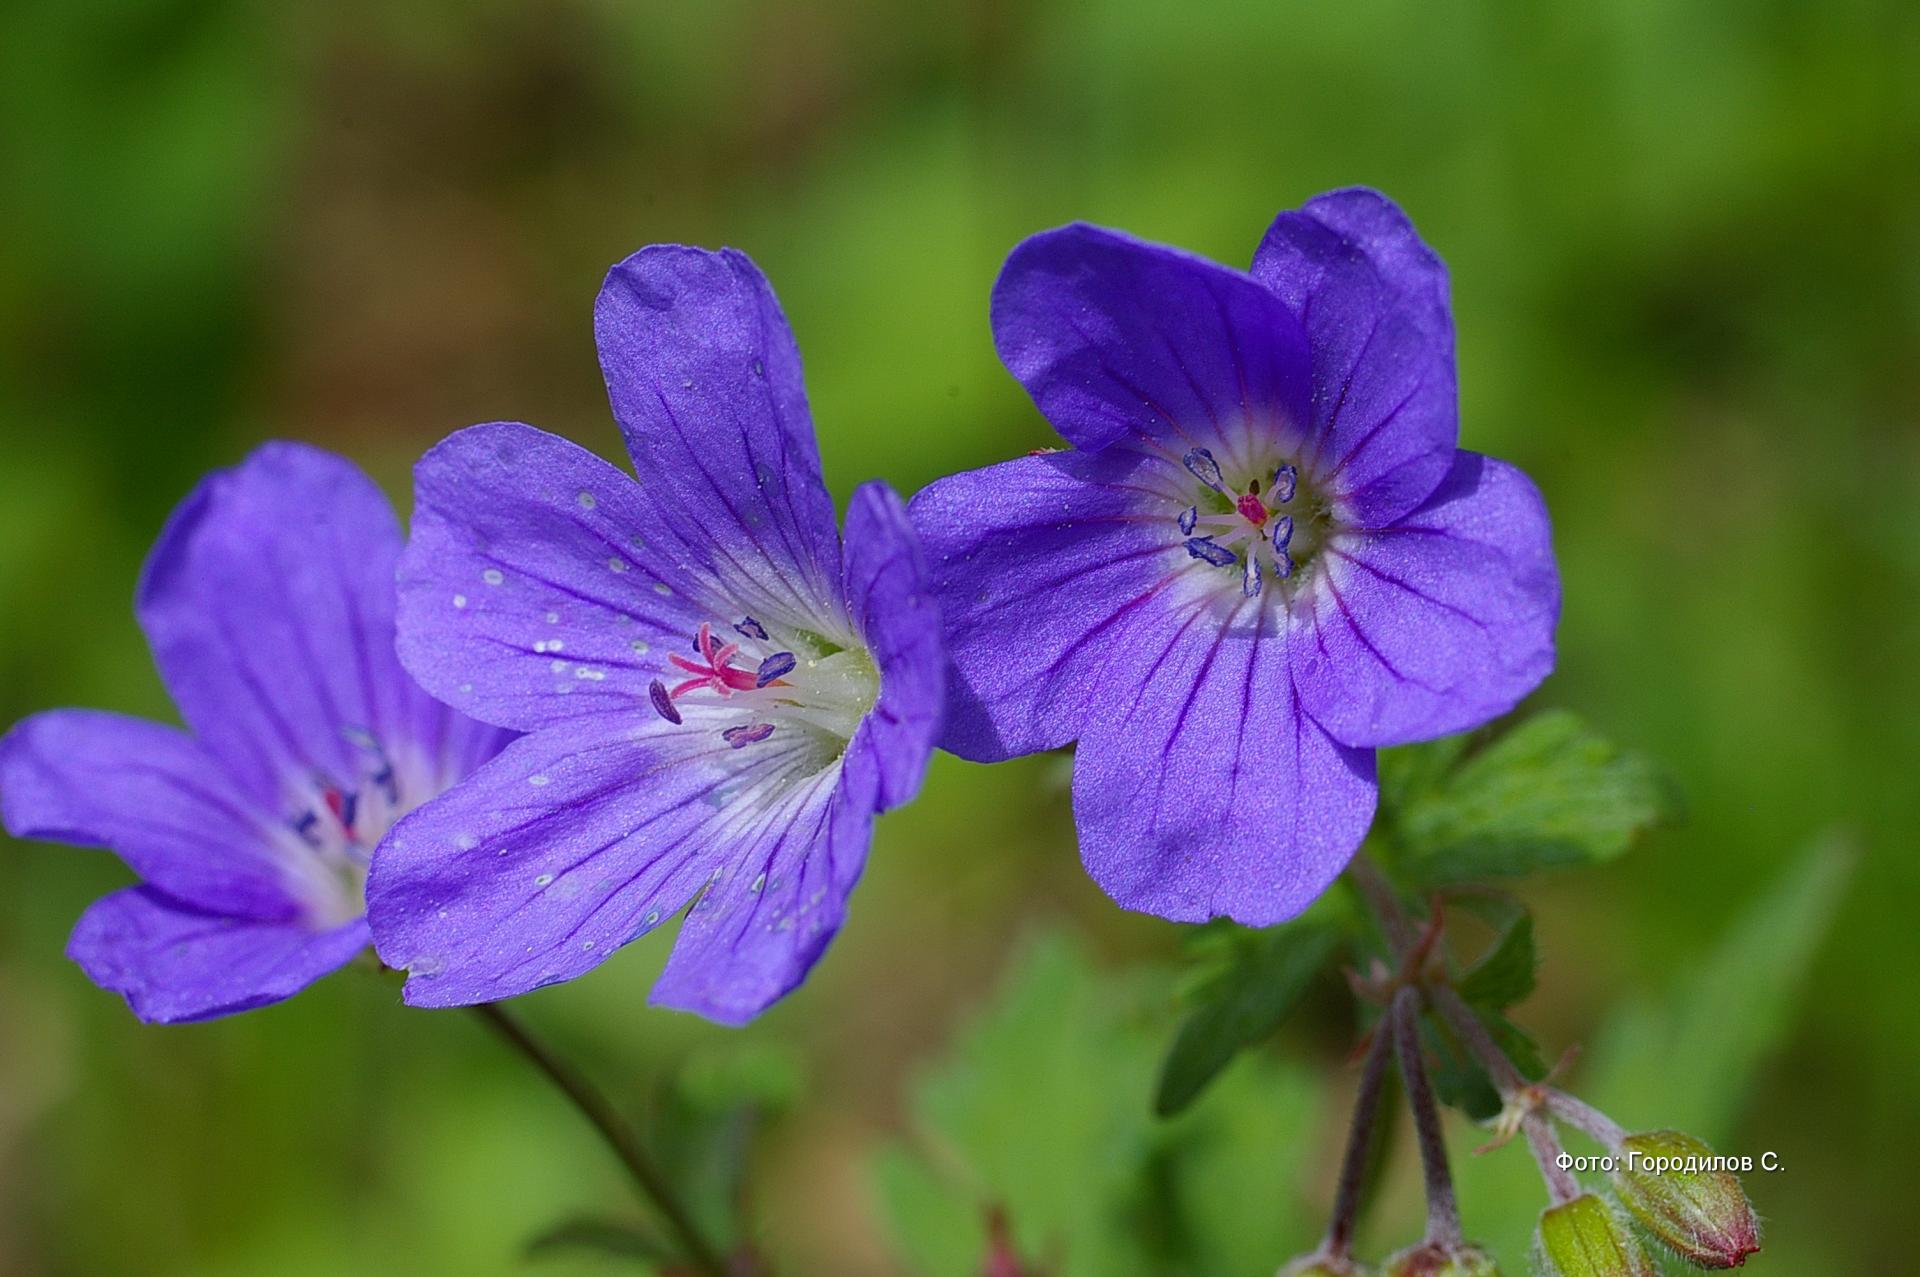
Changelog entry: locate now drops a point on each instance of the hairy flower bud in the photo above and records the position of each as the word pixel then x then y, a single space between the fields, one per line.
pixel 1688 1198
pixel 1433 1259
pixel 1587 1238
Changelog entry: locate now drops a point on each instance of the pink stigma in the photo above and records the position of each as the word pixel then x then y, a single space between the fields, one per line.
pixel 718 672
pixel 1252 509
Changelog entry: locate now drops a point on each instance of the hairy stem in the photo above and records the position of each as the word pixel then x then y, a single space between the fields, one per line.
pixel 1443 1208
pixel 1353 1169
pixel 1585 1118
pixel 614 1130
pixel 1514 1087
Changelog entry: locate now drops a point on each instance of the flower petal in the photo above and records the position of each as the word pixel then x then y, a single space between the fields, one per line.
pixel 705 382
pixel 1116 338
pixel 175 963
pixel 1042 567
pixel 539 585
pixel 155 797
pixel 889 592
pixel 1373 298
pixel 1206 790
pixel 759 927
pixel 268 601
pixel 1438 623
pixel 572 842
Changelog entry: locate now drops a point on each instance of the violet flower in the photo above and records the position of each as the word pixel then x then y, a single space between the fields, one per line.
pixel 718 699
pixel 1262 557
pixel 268 602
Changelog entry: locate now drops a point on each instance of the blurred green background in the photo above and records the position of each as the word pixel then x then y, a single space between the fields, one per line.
pixel 1686 263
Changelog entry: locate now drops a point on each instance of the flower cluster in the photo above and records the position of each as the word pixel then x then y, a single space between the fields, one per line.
pixel 601 699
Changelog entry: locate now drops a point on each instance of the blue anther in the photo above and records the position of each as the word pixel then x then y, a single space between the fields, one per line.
pixel 1285 479
pixel 1189 517
pixel 776 666
pixel 1204 468
pixel 662 703
pixel 751 629
pixel 1250 578
pixel 1204 548
pixel 1282 535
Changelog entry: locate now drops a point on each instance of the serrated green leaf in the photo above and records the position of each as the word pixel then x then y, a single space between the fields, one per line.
pixel 1241 1005
pixel 1506 973
pixel 615 1238
pixel 1547 792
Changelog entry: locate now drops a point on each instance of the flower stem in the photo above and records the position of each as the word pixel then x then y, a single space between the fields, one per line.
pixel 614 1130
pixel 1514 1087
pixel 1353 1170
pixel 1443 1208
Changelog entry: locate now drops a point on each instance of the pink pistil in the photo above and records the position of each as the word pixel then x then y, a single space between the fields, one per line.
pixel 1252 509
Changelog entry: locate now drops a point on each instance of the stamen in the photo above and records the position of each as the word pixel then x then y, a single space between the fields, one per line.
pixel 1204 548
pixel 746 734
pixel 750 628
pixel 1285 479
pixel 1204 468
pixel 1282 534
pixel 1282 564
pixel 774 667
pixel 1250 577
pixel 1188 517
pixel 662 703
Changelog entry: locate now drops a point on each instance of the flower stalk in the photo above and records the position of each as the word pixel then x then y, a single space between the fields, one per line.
pixel 1353 1167
pixel 614 1130
pixel 1443 1208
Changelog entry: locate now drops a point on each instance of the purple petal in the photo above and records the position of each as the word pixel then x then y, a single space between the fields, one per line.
pixel 155 797
pixel 706 385
pixel 538 585
pixel 1373 298
pixel 1439 623
pixel 758 930
pixel 574 841
pixel 174 963
pixel 1044 567
pixel 1205 790
pixel 890 594
pixel 268 601
pixel 1116 338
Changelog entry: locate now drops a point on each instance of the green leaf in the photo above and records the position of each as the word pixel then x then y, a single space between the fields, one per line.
pixel 1241 1005
pixel 615 1238
pixel 1038 1109
pixel 1685 1061
pixel 1505 975
pixel 1547 792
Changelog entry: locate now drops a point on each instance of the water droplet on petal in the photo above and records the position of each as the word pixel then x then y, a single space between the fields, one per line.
pixel 493 576
pixel 586 500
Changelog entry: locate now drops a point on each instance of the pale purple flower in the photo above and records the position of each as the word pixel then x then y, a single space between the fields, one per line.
pixel 1263 556
pixel 719 698
pixel 268 602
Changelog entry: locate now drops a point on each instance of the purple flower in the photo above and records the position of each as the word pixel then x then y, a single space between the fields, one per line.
pixel 1262 558
pixel 268 602
pixel 718 698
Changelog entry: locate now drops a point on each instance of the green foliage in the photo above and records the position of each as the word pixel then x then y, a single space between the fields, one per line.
pixel 1038 1109
pixel 1686 1061
pixel 1545 793
pixel 1505 974
pixel 1262 977
pixel 595 1235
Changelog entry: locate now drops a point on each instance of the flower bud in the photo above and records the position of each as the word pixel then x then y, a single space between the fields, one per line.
pixel 1322 1264
pixel 1433 1259
pixel 1682 1194
pixel 1587 1238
